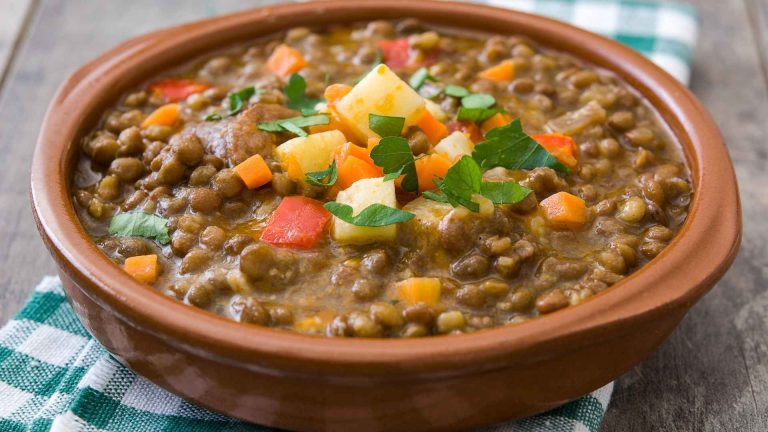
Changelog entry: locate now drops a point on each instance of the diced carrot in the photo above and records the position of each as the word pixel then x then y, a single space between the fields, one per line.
pixel 353 169
pixel 285 60
pixel 293 168
pixel 165 115
pixel 143 268
pixel 354 163
pixel 560 146
pixel 174 90
pixel 419 290
pixel 334 93
pixel 431 166
pixel 350 149
pixel 498 120
pixel 434 130
pixel 503 71
pixel 254 172
pixel 564 211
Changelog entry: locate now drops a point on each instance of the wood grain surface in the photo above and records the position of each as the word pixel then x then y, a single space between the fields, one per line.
pixel 712 373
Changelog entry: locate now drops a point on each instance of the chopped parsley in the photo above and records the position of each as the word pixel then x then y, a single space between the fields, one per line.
pixel 294 124
pixel 395 156
pixel 456 91
pixel 375 215
pixel 420 77
pixel 324 178
pixel 386 126
pixel 237 101
pixel 510 147
pixel 295 91
pixel 140 224
pixel 465 179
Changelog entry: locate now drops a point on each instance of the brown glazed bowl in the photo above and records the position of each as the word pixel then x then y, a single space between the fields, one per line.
pixel 300 382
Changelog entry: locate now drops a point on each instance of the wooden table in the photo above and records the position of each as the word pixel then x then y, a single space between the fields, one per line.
pixel 712 373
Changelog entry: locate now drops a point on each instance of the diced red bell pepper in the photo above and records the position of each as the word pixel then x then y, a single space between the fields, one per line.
pixel 396 53
pixel 174 90
pixel 298 222
pixel 560 146
pixel 468 128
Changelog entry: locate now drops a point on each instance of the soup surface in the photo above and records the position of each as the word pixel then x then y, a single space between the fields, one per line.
pixel 385 179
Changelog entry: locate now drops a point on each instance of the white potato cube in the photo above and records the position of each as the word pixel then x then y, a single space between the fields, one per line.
pixel 381 92
pixel 422 232
pixel 360 195
pixel 455 145
pixel 313 152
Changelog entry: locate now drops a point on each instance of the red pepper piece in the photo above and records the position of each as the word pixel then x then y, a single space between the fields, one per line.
pixel 174 90
pixel 298 222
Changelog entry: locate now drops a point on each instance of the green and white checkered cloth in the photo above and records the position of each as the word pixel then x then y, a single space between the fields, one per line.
pixel 54 376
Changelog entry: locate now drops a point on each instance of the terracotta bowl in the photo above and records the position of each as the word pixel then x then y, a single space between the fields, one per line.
pixel 301 382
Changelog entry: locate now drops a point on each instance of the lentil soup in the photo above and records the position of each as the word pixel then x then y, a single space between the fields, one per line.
pixel 385 179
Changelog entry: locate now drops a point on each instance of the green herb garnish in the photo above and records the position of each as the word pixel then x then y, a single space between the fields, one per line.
pixel 295 91
pixel 239 99
pixel 456 91
pixel 420 77
pixel 213 117
pixel 294 124
pixel 375 215
pixel 465 179
pixel 324 178
pixel 477 115
pixel 504 192
pixel 386 126
pixel 376 61
pixel 478 100
pixel 509 147
pixel 395 156
pixel 140 224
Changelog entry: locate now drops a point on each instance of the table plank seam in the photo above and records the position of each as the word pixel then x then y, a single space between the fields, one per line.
pixel 17 43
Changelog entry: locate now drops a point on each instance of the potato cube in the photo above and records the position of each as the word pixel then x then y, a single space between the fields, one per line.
pixel 455 145
pixel 311 153
pixel 360 195
pixel 380 92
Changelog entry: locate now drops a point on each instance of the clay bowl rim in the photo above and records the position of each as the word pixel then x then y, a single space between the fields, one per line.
pixel 682 273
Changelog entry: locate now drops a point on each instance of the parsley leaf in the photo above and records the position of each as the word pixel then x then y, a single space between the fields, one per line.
pixel 509 147
pixel 395 156
pixel 294 124
pixel 420 77
pixel 465 179
pixel 435 196
pixel 461 182
pixel 477 115
pixel 140 224
pixel 504 192
pixel 376 61
pixel 239 99
pixel 385 125
pixel 478 100
pixel 318 178
pixel 456 91
pixel 375 215
pixel 297 99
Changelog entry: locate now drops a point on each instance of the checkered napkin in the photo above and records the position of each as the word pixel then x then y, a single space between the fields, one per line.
pixel 54 376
